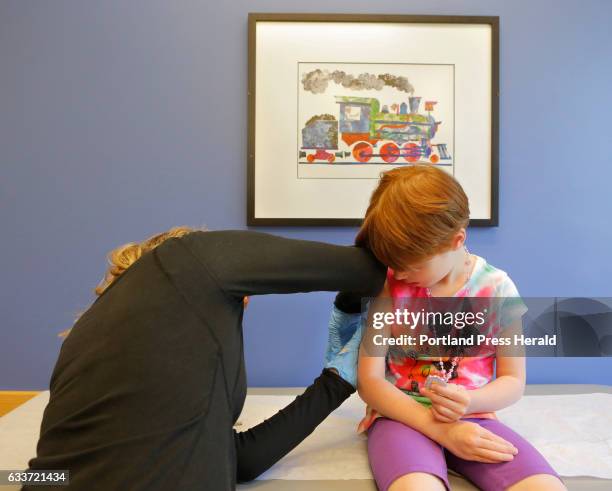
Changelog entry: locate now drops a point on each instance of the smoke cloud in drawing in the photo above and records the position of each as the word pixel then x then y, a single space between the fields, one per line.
pixel 317 81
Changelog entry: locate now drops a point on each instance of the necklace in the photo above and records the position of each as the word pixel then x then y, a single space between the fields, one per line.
pixel 446 376
pixel 468 272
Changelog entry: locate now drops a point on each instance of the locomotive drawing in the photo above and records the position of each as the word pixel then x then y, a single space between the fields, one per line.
pixel 365 130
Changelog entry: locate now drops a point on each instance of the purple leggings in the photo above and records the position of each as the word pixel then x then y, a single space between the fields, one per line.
pixel 395 449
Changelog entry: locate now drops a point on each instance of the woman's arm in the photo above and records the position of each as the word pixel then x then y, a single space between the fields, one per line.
pixel 254 263
pixel 260 447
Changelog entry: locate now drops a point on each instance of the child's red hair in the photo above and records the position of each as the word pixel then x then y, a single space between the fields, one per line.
pixel 414 214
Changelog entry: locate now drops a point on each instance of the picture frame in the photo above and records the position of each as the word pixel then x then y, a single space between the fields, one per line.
pixel 336 99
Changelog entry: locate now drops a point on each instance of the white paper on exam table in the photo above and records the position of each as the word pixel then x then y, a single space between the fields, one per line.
pixel 573 432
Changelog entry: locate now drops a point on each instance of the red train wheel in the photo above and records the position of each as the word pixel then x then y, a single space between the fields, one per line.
pixel 411 152
pixel 331 158
pixel 389 152
pixel 362 152
pixel 310 158
pixel 434 158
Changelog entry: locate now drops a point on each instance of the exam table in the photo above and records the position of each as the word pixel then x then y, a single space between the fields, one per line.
pixel 19 432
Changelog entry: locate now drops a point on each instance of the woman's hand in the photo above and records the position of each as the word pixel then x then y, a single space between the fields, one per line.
pixel 449 402
pixel 470 441
pixel 345 362
pixel 341 328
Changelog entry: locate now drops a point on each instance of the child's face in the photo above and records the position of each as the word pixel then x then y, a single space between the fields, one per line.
pixel 427 273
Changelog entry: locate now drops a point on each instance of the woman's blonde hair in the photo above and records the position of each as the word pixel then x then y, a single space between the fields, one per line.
pixel 414 214
pixel 124 256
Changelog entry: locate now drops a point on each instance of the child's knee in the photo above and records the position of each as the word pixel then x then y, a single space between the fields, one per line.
pixel 417 481
pixel 543 482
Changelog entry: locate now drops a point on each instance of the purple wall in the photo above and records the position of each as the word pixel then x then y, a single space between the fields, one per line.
pixel 121 119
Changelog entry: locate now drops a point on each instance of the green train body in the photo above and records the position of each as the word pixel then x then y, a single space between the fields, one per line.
pixel 363 124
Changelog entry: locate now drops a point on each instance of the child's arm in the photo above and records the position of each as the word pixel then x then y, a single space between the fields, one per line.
pixel 509 384
pixel 391 402
pixel 454 401
pixel 379 393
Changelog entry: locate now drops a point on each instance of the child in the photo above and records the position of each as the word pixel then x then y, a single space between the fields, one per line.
pixel 416 225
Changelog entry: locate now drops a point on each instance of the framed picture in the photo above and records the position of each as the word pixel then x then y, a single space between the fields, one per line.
pixel 334 100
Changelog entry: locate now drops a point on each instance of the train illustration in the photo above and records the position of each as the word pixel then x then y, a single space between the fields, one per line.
pixel 368 130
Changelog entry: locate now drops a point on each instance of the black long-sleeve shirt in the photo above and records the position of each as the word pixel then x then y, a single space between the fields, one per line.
pixel 151 378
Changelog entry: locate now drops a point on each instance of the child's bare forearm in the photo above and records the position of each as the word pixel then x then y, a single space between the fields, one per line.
pixel 498 394
pixel 392 403
pixel 509 385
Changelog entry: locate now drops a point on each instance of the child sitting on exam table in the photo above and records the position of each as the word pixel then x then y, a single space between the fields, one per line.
pixel 416 225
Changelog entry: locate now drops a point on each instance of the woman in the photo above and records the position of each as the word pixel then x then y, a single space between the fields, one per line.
pixel 151 378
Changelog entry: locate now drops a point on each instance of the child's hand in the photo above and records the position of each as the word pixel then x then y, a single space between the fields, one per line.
pixel 245 301
pixel 470 441
pixel 448 403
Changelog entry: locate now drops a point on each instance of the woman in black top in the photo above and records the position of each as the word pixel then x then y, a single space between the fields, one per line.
pixel 151 378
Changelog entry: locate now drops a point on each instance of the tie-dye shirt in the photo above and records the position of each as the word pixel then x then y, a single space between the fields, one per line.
pixel 409 373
